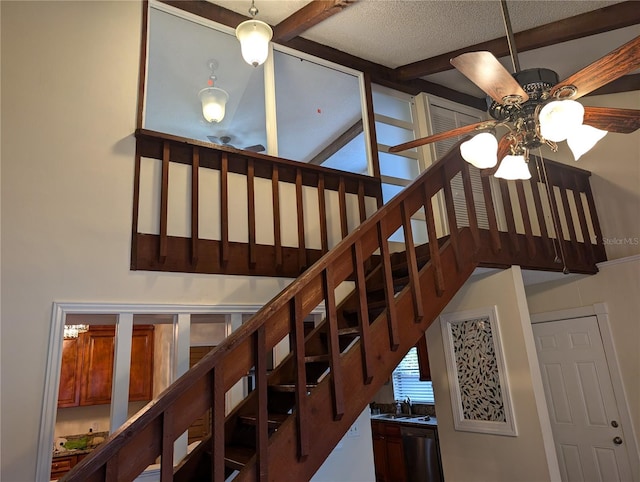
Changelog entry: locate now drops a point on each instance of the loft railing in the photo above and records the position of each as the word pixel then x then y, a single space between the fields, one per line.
pixel 429 278
pixel 237 189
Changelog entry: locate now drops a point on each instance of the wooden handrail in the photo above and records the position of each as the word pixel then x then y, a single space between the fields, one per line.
pixel 404 317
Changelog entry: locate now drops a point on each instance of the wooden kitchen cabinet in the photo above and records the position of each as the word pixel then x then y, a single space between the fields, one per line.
pixel 89 380
pixel 388 454
pixel 61 465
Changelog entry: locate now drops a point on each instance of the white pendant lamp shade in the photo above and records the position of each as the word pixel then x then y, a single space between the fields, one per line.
pixel 254 37
pixel 583 139
pixel 513 168
pixel 481 150
pixel 558 119
pixel 214 101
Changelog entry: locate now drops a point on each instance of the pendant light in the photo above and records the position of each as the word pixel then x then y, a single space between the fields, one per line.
pixel 583 139
pixel 213 99
pixel 558 119
pixel 481 150
pixel 254 36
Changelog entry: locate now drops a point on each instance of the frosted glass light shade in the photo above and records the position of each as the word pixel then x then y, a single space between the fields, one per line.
pixel 512 168
pixel 583 139
pixel 558 119
pixel 214 101
pixel 254 37
pixel 481 150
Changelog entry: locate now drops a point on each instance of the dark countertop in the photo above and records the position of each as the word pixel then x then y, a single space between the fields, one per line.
pixel 404 419
pixel 68 453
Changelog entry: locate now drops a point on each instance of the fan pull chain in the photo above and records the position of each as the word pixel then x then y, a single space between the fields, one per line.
pixel 554 220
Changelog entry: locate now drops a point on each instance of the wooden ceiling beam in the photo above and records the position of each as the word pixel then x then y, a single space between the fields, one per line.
pixel 605 19
pixel 338 143
pixel 311 14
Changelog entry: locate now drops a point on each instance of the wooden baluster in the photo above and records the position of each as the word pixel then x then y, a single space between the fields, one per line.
pixel 471 205
pixel 342 197
pixel 362 207
pixel 224 209
pixel 334 344
pixel 164 201
pixel 434 248
pixel 542 222
pixel 302 251
pixel 217 423
pixel 168 438
pixel 569 217
pixel 389 291
pixel 524 210
pixel 252 211
pixel 277 237
pixel 451 218
pixel 297 343
pixel 508 214
pixel 363 310
pixel 593 214
pixel 195 185
pixel 112 468
pixel 322 208
pixel 412 264
pixel 494 233
pixel 582 218
pixel 262 415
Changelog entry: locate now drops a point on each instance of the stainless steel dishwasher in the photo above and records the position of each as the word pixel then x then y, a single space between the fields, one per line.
pixel 421 454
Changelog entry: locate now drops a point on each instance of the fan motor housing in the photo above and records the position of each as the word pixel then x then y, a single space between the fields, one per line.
pixel 535 82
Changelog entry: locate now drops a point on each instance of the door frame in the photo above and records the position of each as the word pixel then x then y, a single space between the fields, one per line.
pixel 601 312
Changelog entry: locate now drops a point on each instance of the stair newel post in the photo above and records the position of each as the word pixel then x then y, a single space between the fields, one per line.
pixel 251 218
pixel 275 194
pixel 224 209
pixel 363 312
pixel 195 184
pixel 302 251
pixel 164 201
pixel 168 439
pixel 334 345
pixel 322 210
pixel 296 334
pixel 389 292
pixel 262 416
pixel 471 205
pixel 434 248
pixel 217 422
pixel 452 221
pixel 412 264
pixel 494 234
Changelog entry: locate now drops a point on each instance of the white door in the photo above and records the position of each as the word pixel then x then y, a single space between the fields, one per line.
pixel 582 407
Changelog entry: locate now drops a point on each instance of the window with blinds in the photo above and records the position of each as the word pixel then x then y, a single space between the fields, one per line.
pixel 406 381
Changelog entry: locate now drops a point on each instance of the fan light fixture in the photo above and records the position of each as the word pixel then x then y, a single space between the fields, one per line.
pixel 254 36
pixel 481 150
pixel 214 99
pixel 513 168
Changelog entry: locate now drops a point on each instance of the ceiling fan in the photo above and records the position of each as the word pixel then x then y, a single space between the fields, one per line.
pixel 537 109
pixel 225 141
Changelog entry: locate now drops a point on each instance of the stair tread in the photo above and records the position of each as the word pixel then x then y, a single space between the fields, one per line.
pixel 316 358
pixel 237 456
pixel 274 419
pixel 350 330
pixel 289 387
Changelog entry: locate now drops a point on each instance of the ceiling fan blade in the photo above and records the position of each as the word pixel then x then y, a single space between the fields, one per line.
pixel 255 148
pixel 443 135
pixel 214 140
pixel 617 63
pixel 623 121
pixel 484 70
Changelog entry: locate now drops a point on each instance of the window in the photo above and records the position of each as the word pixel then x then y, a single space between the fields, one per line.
pixel 406 380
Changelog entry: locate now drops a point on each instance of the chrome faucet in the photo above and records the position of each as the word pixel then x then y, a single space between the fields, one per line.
pixel 408 402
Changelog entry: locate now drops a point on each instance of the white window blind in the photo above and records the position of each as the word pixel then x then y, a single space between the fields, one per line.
pixel 406 380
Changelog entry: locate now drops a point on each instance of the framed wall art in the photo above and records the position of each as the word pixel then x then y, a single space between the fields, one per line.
pixel 478 383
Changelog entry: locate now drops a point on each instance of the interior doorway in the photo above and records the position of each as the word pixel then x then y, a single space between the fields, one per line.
pixel 589 418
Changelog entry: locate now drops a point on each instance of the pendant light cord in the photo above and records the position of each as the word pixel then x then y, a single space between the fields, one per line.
pixel 510 38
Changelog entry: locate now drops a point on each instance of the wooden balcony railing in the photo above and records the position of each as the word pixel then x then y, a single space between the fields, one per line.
pixel 194 252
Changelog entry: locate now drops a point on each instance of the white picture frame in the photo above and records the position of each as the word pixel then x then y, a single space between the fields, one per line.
pixel 480 396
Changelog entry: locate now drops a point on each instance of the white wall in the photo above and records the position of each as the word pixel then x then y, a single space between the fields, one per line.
pixel 618 285
pixel 70 81
pixel 469 456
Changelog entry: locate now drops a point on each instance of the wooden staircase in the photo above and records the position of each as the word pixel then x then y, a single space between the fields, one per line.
pixel 298 412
